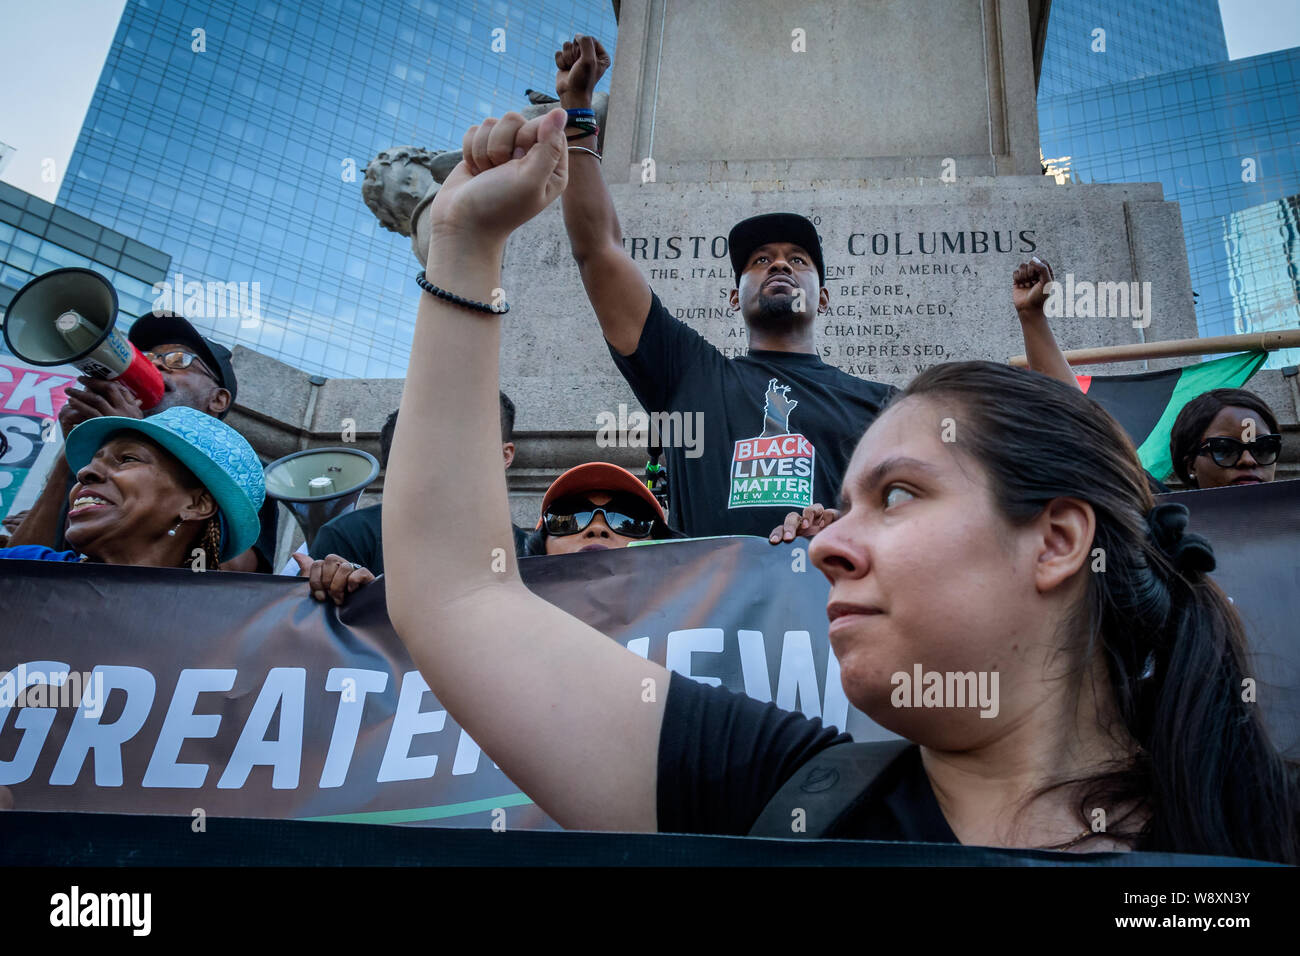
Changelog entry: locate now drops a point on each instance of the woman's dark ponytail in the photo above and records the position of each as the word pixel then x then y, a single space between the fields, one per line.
pixel 1218 782
pixel 1205 778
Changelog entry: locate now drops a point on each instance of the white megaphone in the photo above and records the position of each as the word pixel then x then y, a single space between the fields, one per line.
pixel 69 317
pixel 319 484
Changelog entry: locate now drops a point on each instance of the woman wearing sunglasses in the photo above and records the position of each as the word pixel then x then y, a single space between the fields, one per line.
pixel 1227 436
pixel 595 507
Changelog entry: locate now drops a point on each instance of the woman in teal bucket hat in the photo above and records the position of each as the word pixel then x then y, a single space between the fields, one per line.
pixel 150 491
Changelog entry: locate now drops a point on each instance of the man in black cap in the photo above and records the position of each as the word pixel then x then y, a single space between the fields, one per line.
pixel 779 423
pixel 196 373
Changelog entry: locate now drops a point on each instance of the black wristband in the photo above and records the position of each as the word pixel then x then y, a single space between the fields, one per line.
pixel 429 287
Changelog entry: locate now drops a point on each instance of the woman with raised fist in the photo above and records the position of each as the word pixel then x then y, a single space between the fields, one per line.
pixel 1119 693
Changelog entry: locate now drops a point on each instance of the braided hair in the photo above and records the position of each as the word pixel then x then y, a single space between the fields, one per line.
pixel 209 540
pixel 1205 777
pixel 212 542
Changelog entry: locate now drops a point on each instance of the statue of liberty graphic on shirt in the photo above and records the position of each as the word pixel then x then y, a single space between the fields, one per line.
pixel 776 467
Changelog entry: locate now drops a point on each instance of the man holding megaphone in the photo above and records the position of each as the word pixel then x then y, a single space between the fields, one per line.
pixel 193 372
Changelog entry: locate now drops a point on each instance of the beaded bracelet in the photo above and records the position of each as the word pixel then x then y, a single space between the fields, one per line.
pixel 429 287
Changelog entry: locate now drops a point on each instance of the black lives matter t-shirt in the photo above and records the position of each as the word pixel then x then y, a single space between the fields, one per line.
pixel 723 756
pixel 758 435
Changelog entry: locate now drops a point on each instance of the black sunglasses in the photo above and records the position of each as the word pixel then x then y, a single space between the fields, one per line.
pixel 1226 452
pixel 570 517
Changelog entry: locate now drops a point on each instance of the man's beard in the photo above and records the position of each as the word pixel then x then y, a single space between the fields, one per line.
pixel 776 313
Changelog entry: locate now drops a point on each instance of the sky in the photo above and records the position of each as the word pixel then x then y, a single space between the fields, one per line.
pixel 51 55
pixel 1252 27
pixel 43 106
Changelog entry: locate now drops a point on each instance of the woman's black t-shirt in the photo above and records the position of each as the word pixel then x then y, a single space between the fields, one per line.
pixel 722 757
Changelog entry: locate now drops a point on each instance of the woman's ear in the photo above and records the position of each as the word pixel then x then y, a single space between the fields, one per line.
pixel 201 506
pixel 1066 530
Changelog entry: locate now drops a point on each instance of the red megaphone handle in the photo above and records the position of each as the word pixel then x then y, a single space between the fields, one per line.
pixel 143 379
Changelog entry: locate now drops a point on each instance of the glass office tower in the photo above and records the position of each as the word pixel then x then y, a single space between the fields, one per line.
pixel 234 135
pixel 1222 137
pixel 1138 39
pixel 37 237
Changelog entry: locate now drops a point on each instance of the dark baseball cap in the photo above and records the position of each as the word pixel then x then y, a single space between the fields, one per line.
pixel 159 328
pixel 749 234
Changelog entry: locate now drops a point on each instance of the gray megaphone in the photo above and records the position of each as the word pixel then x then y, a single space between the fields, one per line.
pixel 319 484
pixel 69 317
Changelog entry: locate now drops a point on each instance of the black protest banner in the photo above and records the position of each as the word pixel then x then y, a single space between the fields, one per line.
pixel 237 695
pixel 1255 531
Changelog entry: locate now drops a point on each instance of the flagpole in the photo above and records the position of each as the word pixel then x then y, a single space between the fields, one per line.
pixel 1249 342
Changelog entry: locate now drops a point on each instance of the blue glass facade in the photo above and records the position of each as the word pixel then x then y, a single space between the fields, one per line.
pixel 234 148
pixel 37 237
pixel 1162 103
pixel 1137 38
pixel 1224 141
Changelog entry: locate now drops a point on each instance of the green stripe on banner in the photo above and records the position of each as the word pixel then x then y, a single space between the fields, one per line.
pixel 416 814
pixel 1232 371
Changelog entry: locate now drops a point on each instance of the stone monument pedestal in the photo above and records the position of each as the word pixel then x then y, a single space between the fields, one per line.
pixel 919 273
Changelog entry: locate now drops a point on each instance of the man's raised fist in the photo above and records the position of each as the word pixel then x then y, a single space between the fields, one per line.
pixel 579 66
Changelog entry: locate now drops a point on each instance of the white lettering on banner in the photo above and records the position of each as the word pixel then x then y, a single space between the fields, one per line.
pixel 467 754
pixel 106 739
pixel 34 387
pixel 798 675
pixel 347 722
pixel 793 670
pixel 682 644
pixel 836 711
pixel 753 665
pixel 181 724
pixel 285 688
pixel 408 723
pixel 34 722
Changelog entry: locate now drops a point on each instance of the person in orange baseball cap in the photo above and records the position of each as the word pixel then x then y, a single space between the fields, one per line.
pixel 594 507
